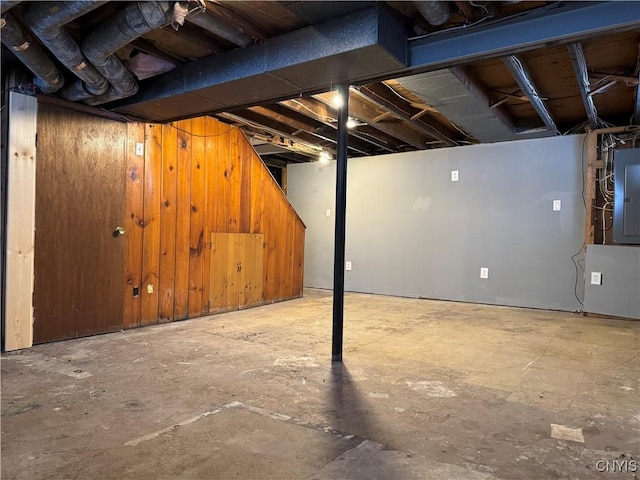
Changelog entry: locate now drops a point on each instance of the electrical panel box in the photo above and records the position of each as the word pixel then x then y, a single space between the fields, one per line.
pixel 626 206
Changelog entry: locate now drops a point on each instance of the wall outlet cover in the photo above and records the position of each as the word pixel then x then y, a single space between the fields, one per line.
pixel 150 288
pixel 348 266
pixel 596 278
pixel 557 205
pixel 484 272
pixel 328 212
pixel 455 175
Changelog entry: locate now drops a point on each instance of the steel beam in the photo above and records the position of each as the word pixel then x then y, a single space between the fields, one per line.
pixel 582 76
pixel 559 23
pixel 340 230
pixel 522 77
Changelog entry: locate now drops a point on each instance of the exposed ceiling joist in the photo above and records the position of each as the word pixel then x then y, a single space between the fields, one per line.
pixel 450 81
pixel 402 109
pixel 321 113
pixel 275 112
pixel 307 130
pixel 149 48
pixel 261 116
pixel 480 92
pixel 582 76
pixel 220 28
pixel 366 112
pixel 561 23
pixel 273 136
pixel 522 77
pixel 247 27
pixel 196 36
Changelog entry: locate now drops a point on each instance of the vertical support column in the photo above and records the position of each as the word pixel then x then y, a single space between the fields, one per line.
pixel 21 217
pixel 341 212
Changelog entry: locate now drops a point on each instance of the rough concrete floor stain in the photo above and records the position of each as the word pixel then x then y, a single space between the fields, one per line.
pixel 428 390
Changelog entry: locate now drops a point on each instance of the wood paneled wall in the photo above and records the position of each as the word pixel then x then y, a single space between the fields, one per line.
pixel 197 177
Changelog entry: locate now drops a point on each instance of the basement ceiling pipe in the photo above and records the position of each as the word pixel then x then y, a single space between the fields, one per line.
pixel 8 5
pixel 435 12
pixel 46 20
pixel 131 22
pixel 14 36
pixel 219 28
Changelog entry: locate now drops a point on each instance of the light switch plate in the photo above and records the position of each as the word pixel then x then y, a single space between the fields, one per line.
pixel 455 175
pixel 140 149
pixel 596 278
pixel 557 205
pixel 484 272
pixel 348 266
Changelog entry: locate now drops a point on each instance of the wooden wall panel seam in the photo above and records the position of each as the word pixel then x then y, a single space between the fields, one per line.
pixel 183 223
pixel 197 222
pixel 151 225
pixel 134 222
pixel 167 264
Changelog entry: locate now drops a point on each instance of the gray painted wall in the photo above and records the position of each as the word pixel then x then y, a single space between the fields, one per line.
pixel 619 293
pixel 412 232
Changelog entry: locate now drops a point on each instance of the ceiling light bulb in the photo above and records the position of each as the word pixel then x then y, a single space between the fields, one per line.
pixel 351 123
pixel 337 100
pixel 324 157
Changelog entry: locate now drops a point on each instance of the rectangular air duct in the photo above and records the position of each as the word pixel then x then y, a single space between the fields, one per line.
pixel 350 49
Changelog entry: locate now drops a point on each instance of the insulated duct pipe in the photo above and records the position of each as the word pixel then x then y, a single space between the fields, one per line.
pixel 48 77
pixel 8 5
pixel 219 28
pixel 134 20
pixel 46 20
pixel 435 12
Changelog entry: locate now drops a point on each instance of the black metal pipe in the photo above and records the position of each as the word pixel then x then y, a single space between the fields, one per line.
pixel 8 5
pixel 46 20
pixel 14 36
pixel 219 28
pixel 131 22
pixel 436 12
pixel 340 231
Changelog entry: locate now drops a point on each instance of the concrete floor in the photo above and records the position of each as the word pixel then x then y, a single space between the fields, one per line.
pixel 428 390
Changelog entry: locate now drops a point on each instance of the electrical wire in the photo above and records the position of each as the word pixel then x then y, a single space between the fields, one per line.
pixel 584 142
pixel 577 267
pixel 326 119
pixel 198 135
pixel 578 263
pixel 453 29
pixel 482 6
